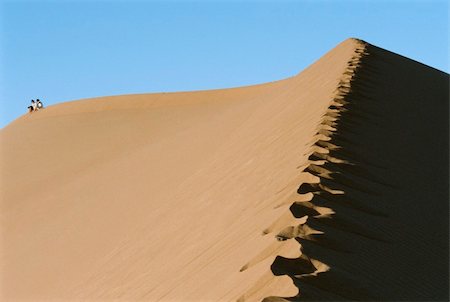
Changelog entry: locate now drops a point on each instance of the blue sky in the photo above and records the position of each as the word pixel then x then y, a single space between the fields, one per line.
pixel 66 50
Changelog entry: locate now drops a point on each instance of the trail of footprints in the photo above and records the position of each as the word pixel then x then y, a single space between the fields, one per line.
pixel 304 212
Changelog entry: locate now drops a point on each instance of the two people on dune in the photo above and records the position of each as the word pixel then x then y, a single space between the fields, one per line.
pixel 35 105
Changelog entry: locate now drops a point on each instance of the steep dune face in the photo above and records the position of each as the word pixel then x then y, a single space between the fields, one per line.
pixel 383 168
pixel 330 184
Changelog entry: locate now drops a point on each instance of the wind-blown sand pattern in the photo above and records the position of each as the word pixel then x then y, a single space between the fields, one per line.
pixel 330 185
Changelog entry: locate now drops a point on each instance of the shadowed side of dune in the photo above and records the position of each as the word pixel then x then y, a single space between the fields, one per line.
pixel 382 159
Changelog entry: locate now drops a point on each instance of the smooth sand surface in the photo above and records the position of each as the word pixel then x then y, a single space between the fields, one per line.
pixel 332 184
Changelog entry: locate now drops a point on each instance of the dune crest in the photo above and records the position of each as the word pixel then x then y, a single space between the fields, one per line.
pixel 303 266
pixel 324 186
pixel 359 208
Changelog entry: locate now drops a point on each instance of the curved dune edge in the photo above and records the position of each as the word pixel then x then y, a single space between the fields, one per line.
pixel 376 199
pixel 292 227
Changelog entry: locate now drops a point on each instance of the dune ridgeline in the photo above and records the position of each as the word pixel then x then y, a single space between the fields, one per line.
pixel 329 185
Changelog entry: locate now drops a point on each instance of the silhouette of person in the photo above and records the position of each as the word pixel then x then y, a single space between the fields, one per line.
pixel 39 104
pixel 33 106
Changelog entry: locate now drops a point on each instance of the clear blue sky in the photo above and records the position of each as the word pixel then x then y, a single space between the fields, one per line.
pixel 66 50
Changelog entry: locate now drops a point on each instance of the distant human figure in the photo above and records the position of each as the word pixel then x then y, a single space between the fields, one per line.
pixel 32 107
pixel 39 104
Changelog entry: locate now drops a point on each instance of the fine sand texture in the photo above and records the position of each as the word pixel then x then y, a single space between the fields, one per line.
pixel 329 185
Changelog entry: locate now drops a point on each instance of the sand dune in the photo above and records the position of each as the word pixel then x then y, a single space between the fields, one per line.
pixel 330 185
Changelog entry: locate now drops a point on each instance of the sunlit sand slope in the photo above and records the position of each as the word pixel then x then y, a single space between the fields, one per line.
pixel 332 184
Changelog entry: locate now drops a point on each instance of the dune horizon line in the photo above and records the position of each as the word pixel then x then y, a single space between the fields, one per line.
pixel 133 94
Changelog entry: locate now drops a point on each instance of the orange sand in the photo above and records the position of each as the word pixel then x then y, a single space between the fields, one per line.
pixel 182 196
